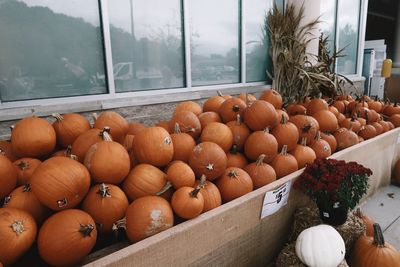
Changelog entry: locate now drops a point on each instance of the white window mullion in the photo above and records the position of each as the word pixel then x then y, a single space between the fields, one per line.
pixel 243 40
pixel 186 33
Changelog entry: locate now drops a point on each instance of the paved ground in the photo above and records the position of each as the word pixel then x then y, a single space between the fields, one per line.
pixel 384 208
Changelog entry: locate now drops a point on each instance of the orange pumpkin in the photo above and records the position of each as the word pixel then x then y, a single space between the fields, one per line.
pixel 148 216
pixel 240 132
pixel 106 203
pixel 273 97
pixel 247 98
pixel 327 121
pixel 374 251
pixel 395 119
pixel 183 144
pixel 367 132
pixel 208 117
pixel 303 154
pixel 339 105
pixel 378 127
pixel 213 103
pixel 389 110
pixel 330 139
pixel 6 147
pixel 351 123
pixel 188 123
pixel 33 137
pixel 306 125
pixel 22 198
pixel 210 192
pixel 165 125
pixel 135 128
pixel 315 105
pixel 117 124
pixel 234 183
pixel 8 176
pixel 60 183
pixel 128 142
pixel 260 115
pixel 385 126
pixel 345 138
pixel 321 147
pixel 67 237
pixel 376 105
pixel 260 173
pixel 369 223
pixel 286 133
pixel 189 106
pixel 296 109
pixel 187 202
pixel 68 127
pixel 334 111
pixel 341 118
pixel 284 163
pixel 218 133
pixel 231 108
pixel 180 174
pixel 154 146
pixel 84 141
pixel 261 142
pixel 18 232
pixel 235 159
pixel 208 159
pixel 107 161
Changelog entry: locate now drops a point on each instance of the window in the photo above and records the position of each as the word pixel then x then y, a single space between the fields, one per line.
pixel 341 22
pixel 50 49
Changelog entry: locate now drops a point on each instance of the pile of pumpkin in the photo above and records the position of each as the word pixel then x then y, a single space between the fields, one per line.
pixel 68 181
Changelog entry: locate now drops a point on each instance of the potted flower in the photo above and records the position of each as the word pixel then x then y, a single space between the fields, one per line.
pixel 335 185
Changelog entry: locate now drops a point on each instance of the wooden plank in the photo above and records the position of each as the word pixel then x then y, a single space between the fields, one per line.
pixel 233 234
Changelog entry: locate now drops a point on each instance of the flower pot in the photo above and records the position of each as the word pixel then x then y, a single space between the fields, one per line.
pixel 333 213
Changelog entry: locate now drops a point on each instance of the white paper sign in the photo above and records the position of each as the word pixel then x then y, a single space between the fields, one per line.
pixel 276 199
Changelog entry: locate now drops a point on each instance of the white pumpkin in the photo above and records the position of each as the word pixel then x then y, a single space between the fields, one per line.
pixel 320 246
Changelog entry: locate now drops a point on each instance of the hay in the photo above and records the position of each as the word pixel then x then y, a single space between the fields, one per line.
pixel 306 217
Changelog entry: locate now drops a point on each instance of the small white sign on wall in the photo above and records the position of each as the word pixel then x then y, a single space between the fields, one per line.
pixel 274 200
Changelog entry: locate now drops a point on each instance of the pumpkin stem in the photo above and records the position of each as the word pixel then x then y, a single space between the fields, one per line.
pixel 12 127
pixel 318 136
pixel 95 116
pixel 233 173
pixel 304 141
pixel 366 116
pixel 203 180
pixel 119 224
pixel 306 128
pixel 18 227
pixel 104 190
pixel 62 203
pixel 266 130
pixel 379 240
pixel 190 129
pixel 26 188
pixel 23 165
pixel 2 152
pixel 165 188
pixel 86 229
pixel 247 100
pixel 7 199
pixel 236 108
pixel 105 129
pixel 238 119
pixel 57 116
pixel 195 191
pixel 210 166
pixel 260 160
pixel 106 134
pixel 219 93
pixel 284 119
pixel 284 150
pixel 234 149
pixel 177 129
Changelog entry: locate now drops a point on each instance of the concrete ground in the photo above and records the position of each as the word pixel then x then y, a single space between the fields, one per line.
pixel 384 208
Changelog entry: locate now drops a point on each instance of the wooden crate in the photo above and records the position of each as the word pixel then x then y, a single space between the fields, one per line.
pixel 234 234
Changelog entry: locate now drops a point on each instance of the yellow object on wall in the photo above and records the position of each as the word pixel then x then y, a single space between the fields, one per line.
pixel 386 68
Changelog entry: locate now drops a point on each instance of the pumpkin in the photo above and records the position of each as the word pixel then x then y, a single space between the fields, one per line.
pixel 107 161
pixel 218 133
pixel 391 125
pixel 247 98
pixel 22 198
pixel 396 172
pixel 180 174
pixel 240 132
pixel 148 216
pixel 17 231
pixel 188 123
pixel 272 97
pixel 154 146
pixel 231 108
pixel 106 204
pixel 395 119
pixel 334 111
pixel 369 223
pixel 330 139
pixel 210 192
pixel 303 154
pixel 189 106
pixel 373 116
pixel 261 142
pixel 260 173
pixel 339 105
pixel 321 147
pixel 208 117
pixel 367 132
pixel 84 141
pixel 117 124
pixel 213 103
pixel 362 121
pixel 351 123
pixel 68 127
pixel 341 118
pixel 8 176
pixel 280 113
pixel 374 251
pixel 235 159
pixel 306 125
pixel 165 125
pixel 286 133
pixel 208 159
pixel 67 237
pixel 327 121
pixel 315 105
pixel 60 183
pixel 284 163
pixel 345 138
pixel 391 109
pixel 33 137
pixel 128 142
pixel 378 127
pixel 360 139
pixel 6 147
pixel 260 115
pixel 295 109
pixel 376 105
pixel 183 144
pixel 65 153
pixel 135 128
pixel 144 180
pixel 385 126
pixel 319 246
pixel 234 183
pixel 187 202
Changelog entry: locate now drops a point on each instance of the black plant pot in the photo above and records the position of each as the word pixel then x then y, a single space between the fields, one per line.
pixel 334 214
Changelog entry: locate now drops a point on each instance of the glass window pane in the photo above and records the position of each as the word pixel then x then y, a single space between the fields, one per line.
pixel 348 21
pixel 147 46
pixel 257 42
pixel 327 25
pixel 50 49
pixel 214 33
